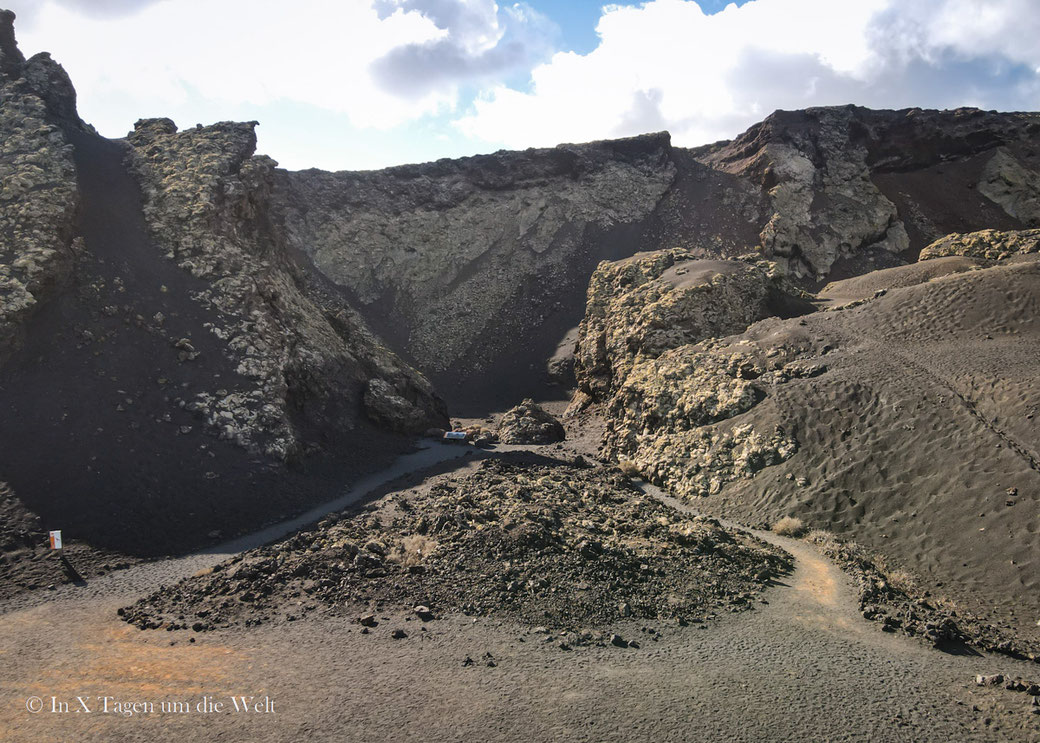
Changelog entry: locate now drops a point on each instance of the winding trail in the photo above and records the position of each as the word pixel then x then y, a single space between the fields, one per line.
pixel 804 666
pixel 145 577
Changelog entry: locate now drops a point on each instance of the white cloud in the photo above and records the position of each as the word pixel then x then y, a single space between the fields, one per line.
pixel 259 52
pixel 481 41
pixel 665 64
pixel 348 83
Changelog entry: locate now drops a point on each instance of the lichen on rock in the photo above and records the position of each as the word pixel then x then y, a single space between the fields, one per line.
pixel 38 192
pixel 988 245
pixel 529 423
pixel 676 418
pixel 672 393
pixel 301 361
pixel 464 259
pixel 640 307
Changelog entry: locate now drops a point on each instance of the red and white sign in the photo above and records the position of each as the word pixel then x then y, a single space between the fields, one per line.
pixel 56 540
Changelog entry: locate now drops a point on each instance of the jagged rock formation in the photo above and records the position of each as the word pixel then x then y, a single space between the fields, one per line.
pixel 852 189
pixel 38 196
pixel 669 401
pixel 160 351
pixel 465 263
pixel 207 205
pixel 902 415
pixel 650 303
pixel 528 423
pixel 794 166
pixel 988 245
pixel 474 268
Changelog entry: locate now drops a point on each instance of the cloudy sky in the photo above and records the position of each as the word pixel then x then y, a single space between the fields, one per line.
pixel 354 84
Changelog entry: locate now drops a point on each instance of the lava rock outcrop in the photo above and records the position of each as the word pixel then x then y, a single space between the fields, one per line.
pixel 901 413
pixel 640 307
pixel 529 423
pixel 851 189
pixel 549 545
pixel 38 196
pixel 207 206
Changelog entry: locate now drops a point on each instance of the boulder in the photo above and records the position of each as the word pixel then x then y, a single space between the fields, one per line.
pixel 528 423
pixel 640 307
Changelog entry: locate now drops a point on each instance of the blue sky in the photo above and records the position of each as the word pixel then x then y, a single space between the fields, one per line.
pixel 577 19
pixel 357 84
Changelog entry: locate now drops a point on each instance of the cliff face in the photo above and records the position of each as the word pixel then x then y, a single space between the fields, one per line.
pixel 641 307
pixel 301 362
pixel 166 372
pixel 38 195
pixel 851 189
pixel 473 268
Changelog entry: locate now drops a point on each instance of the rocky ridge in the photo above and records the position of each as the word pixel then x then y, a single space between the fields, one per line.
pixel 458 262
pixel 548 544
pixel 39 197
pixel 988 245
pixel 207 204
pixel 911 384
pixel 851 189
pixel 225 387
pixel 473 268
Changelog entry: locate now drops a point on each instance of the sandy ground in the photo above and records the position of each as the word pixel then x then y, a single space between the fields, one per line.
pixel 803 666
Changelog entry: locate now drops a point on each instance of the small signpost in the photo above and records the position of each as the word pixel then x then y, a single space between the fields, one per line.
pixel 56 540
pixel 455 436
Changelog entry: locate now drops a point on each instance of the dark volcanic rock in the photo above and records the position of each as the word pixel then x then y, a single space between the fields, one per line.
pixel 475 268
pixel 468 266
pixel 902 417
pixel 528 423
pixel 640 307
pixel 550 545
pixel 301 362
pixel 162 358
pixel 852 189
pixel 38 197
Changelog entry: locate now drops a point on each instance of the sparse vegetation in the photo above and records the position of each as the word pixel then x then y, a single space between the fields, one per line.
pixel 789 526
pixel 413 550
pixel 892 597
pixel 629 468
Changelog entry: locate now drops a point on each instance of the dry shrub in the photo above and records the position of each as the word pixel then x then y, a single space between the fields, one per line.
pixel 789 526
pixel 901 580
pixel 628 468
pixel 412 550
pixel 821 537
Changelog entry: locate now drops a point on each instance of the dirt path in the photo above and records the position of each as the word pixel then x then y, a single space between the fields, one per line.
pixel 131 583
pixel 804 666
